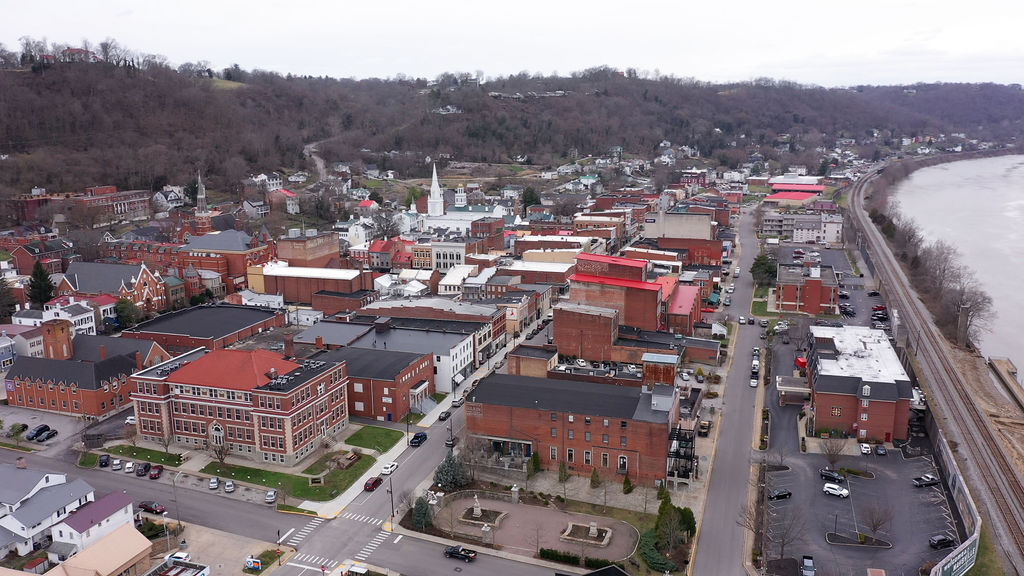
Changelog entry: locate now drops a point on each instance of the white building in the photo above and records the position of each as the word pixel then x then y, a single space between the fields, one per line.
pixel 451 284
pixel 355 231
pixel 461 216
pixel 80 314
pixel 88 524
pixel 33 501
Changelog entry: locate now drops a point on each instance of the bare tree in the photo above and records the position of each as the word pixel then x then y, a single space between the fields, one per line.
pixel 131 434
pixel 832 449
pixel 877 518
pixel 532 538
pixel 220 451
pixel 787 527
pixel 166 441
pixel 384 225
pixel 777 456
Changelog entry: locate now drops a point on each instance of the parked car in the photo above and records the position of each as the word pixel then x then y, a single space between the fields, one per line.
pixel 151 507
pixel 389 468
pixel 104 460
pixel 742 320
pixel 940 541
pixel 684 376
pixel 926 480
pixel 798 252
pixel 116 464
pixel 807 566
pixel 271 497
pixel 727 301
pixel 880 450
pixel 581 362
pixel 372 483
pixel 779 494
pixel 750 321
pixel 214 483
pixel 418 438
pixel 156 471
pixel 37 431
pixel 700 378
pixel 46 435
pixel 229 486
pixel 143 469
pixel 878 308
pixel 129 421
pixel 865 448
pixel 873 293
pixel 180 555
pixel 129 467
pixel 764 323
pixel 831 476
pixel 458 402
pixel 450 442
pixel 836 490
pixel 16 427
pixel 444 416
pixel 753 382
pixel 460 553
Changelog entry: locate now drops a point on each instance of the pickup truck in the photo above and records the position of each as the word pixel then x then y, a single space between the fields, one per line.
pixel 460 553
pixel 926 480
pixel 807 566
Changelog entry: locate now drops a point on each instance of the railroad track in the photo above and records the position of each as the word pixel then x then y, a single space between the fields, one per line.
pixel 992 476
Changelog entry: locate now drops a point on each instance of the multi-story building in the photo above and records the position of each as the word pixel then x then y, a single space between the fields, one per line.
pixel 310 248
pixel 616 430
pixel 32 502
pixel 90 524
pixel 809 288
pixel 299 284
pixel 135 282
pixel 50 253
pixel 249 403
pixel 858 384
pixel 385 384
pixel 638 302
pixel 81 316
pixel 212 327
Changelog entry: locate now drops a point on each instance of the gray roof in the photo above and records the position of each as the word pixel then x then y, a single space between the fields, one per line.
pixel 588 398
pixel 854 386
pixel 333 333
pixel 87 347
pixel 410 340
pixel 16 483
pixel 234 240
pixel 87 375
pixel 205 321
pixel 99 277
pixel 371 363
pixel 48 500
pixel 97 511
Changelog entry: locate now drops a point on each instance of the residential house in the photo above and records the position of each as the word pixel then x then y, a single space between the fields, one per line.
pixel 81 316
pixel 32 502
pixel 89 524
pixel 50 253
pixel 136 283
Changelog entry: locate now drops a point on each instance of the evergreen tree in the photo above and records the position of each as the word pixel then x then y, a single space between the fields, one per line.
pixel 127 313
pixel 451 473
pixel 595 479
pixel 40 287
pixel 421 513
pixel 7 301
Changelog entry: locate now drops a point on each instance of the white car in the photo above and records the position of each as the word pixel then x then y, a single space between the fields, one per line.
pixel 836 490
pixel 736 272
pixel 179 555
pixel 865 448
pixel 581 362
pixel 730 289
pixel 129 467
pixel 389 468
pixel 684 376
pixel 129 421
pixel 753 382
pixel 742 320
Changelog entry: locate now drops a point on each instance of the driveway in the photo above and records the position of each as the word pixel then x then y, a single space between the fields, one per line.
pixel 67 427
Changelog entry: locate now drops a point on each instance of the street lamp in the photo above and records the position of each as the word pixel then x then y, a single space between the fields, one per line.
pixel 451 439
pixel 167 532
pixel 391 492
pixel 177 505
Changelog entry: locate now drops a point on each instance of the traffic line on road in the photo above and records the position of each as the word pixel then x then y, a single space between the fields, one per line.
pixel 286 534
pixel 304 531
pixel 362 518
pixel 317 560
pixel 397 539
pixel 372 545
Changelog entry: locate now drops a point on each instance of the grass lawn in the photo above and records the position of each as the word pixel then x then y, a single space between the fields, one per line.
pixel 761 291
pixel 88 460
pixel 375 438
pixel 438 396
pixel 987 561
pixel 335 482
pixel 412 418
pixel 297 510
pixel 638 520
pixel 154 456
pixel 221 84
pixel 267 558
pixel 759 308
pixel 16 447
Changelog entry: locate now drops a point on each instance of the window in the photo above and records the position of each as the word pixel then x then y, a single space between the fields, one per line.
pixel 359 407
pixel 554 432
pixel 623 464
pixel 554 453
pixel 622 424
pixel 864 403
pixel 836 411
pixel 570 455
pixel 586 436
pixel 604 459
pixel 605 422
pixel 622 441
pixel 572 435
pixel 554 417
pixel 586 457
pixel 586 420
pixel 863 434
pixel 570 418
pixel 863 416
pixel 604 438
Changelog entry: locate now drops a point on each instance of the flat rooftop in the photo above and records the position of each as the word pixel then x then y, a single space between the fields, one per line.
pixel 283 269
pixel 205 321
pixel 861 352
pixel 410 340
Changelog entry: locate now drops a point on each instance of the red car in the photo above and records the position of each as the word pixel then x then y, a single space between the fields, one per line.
pixel 878 308
pixel 156 471
pixel 372 483
pixel 709 310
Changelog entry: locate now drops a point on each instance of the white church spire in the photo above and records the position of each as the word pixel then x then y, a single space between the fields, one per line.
pixel 435 204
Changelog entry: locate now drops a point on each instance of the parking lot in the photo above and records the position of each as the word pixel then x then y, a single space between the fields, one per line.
pixel 67 427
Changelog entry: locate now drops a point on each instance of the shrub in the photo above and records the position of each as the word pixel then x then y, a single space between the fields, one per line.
pixel 559 556
pixel 663 492
pixel 689 521
pixel 654 560
pixel 595 563
pixel 627 485
pixel 421 513
pixel 711 395
pixel 595 479
pixel 534 463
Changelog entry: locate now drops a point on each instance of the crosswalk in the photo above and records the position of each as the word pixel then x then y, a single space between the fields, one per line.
pixel 372 545
pixel 361 518
pixel 311 560
pixel 306 530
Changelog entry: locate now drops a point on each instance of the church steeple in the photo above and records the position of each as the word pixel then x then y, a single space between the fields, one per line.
pixel 202 220
pixel 435 204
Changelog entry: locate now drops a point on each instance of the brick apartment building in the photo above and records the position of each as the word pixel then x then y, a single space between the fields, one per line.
pixel 616 430
pixel 52 254
pixel 212 327
pixel 385 384
pixel 683 310
pixel 253 403
pixel 612 267
pixel 694 251
pixel 299 284
pixel 858 384
pixel 807 288
pixel 638 302
pixel 311 249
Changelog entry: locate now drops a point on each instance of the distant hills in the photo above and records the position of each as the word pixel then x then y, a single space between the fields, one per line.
pixel 72 125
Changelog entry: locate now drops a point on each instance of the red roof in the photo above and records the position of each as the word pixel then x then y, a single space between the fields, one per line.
pixel 684 299
pixel 233 369
pixel 799 187
pixel 615 282
pixel 103 300
pixel 617 260
pixel 798 196
pixel 668 284
pixel 288 193
pixel 381 246
pixel 366 204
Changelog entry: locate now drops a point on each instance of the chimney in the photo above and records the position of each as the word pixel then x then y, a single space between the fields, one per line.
pixel 20 463
pixel 138 361
pixel 320 342
pixel 103 352
pixel 272 374
pixel 289 345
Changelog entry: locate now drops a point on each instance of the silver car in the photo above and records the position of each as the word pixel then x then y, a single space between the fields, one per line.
pixel 836 490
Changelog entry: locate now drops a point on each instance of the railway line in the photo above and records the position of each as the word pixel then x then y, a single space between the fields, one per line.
pixel 992 476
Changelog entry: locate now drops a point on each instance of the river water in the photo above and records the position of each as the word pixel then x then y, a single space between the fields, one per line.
pixel 978 206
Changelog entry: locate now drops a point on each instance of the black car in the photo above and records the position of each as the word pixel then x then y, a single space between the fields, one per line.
pixel 880 450
pixel 940 541
pixel 43 437
pixel 418 438
pixel 460 553
pixel 831 476
pixel 779 494
pixel 16 428
pixel 104 460
pixel 444 416
pixel 143 469
pixel 37 431
pixel 751 321
pixel 873 293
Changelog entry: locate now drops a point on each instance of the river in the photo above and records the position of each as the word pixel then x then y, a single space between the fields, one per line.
pixel 978 206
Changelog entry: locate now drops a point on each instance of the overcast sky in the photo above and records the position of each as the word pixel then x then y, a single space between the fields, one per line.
pixel 811 42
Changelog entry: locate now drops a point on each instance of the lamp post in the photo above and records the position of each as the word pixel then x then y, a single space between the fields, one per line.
pixel 177 505
pixel 391 492
pixel 451 438
pixel 167 533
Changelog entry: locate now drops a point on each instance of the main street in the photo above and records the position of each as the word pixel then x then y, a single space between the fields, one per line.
pixel 720 544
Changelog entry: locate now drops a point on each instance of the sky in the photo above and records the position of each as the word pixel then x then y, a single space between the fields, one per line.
pixel 809 42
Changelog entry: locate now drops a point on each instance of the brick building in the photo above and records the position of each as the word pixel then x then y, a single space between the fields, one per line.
pixel 531 361
pixel 638 302
pixel 583 331
pixel 616 430
pixel 694 251
pixel 331 303
pixel 212 327
pixel 586 243
pixel 807 288
pixel 612 267
pixel 299 284
pixel 310 249
pixel 858 384
pixel 249 403
pixel 554 273
pixel 385 384
pixel 683 310
pixel 52 254
pixel 135 282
